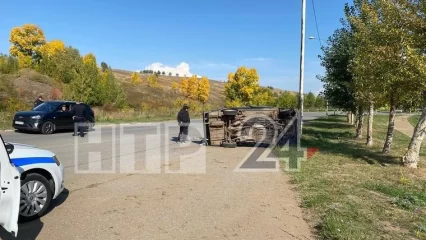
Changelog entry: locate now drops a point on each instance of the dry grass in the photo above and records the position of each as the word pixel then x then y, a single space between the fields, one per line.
pixel 6 120
pixel 166 95
pixel 355 192
pixel 130 116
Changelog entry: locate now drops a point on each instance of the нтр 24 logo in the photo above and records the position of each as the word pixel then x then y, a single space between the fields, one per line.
pixel 288 151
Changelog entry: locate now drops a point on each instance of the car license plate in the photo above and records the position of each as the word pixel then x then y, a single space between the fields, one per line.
pixel 19 122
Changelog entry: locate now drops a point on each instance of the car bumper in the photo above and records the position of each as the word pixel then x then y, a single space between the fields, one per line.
pixel 59 182
pixel 34 125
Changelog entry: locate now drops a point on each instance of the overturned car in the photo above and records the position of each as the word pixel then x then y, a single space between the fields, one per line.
pixel 232 127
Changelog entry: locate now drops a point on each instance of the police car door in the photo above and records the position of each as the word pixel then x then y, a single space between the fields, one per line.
pixel 10 190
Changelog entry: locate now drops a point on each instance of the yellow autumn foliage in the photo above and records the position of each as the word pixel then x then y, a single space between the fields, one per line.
pixel 152 80
pixel 51 48
pixel 203 89
pixel 89 59
pixel 26 42
pixel 242 87
pixel 175 85
pixel 194 88
pixel 135 79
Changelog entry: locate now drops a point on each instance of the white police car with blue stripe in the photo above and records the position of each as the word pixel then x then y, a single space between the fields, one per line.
pixel 30 178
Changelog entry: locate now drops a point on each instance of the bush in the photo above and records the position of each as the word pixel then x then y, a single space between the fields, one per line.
pixel 8 64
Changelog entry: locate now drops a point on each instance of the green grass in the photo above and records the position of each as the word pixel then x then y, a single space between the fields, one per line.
pixel 354 192
pixel 414 120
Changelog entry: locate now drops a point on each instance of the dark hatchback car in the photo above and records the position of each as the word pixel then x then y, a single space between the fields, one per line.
pixel 49 117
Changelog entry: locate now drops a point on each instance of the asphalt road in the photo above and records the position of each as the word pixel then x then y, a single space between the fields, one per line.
pixel 64 145
pixel 105 182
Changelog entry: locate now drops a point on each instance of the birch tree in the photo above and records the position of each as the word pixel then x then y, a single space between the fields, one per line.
pixel 415 61
pixel 365 66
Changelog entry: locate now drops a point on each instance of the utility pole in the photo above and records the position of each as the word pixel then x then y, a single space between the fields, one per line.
pixel 302 63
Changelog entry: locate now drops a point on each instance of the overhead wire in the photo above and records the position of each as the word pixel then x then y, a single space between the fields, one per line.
pixel 316 23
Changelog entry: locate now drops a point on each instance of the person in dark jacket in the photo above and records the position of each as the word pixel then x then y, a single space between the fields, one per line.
pixel 38 101
pixel 184 121
pixel 79 116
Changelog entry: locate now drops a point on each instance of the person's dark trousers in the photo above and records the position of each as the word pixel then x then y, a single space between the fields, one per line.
pixel 180 133
pixel 183 133
pixel 77 122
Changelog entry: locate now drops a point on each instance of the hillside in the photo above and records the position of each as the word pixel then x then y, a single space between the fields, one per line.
pixel 150 96
pixel 216 99
pixel 29 84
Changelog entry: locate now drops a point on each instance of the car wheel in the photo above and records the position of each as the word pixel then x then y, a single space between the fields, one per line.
pixel 36 195
pixel 47 128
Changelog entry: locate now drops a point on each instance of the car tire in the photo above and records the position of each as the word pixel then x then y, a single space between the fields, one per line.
pixel 48 127
pixel 27 210
pixel 229 112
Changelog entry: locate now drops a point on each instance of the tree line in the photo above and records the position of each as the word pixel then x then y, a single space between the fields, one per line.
pixel 158 72
pixel 376 59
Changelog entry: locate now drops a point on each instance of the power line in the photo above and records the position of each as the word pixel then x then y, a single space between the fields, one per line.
pixel 316 23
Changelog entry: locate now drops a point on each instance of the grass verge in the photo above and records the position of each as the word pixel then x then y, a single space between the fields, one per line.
pixel 414 120
pixel 351 191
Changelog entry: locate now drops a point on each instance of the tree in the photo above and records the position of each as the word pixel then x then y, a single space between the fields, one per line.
pixel 135 79
pixel 51 48
pixel 264 97
pixel 310 100
pixel 110 90
pixel 104 67
pixel 64 66
pixel 388 37
pixel 287 100
pixel 152 80
pixel 177 74
pixel 188 87
pixel 26 42
pixel 170 74
pixel 87 86
pixel 364 66
pixel 175 86
pixel 241 87
pixel 8 64
pixel 163 73
pixel 338 79
pixel 158 72
pixel 203 89
pixel 415 22
pixel 320 102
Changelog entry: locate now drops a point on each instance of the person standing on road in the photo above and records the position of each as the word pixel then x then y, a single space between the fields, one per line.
pixel 79 115
pixel 184 121
pixel 38 101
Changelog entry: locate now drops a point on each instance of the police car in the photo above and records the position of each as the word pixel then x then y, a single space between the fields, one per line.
pixel 30 178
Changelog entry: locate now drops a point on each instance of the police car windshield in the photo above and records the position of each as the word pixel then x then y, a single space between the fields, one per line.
pixel 47 106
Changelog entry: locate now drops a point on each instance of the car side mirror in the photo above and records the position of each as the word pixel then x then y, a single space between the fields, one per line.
pixel 9 148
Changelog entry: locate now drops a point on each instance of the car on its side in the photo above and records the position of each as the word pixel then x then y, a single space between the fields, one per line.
pixel 30 179
pixel 49 117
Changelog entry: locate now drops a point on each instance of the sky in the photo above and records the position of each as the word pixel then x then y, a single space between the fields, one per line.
pixel 207 38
